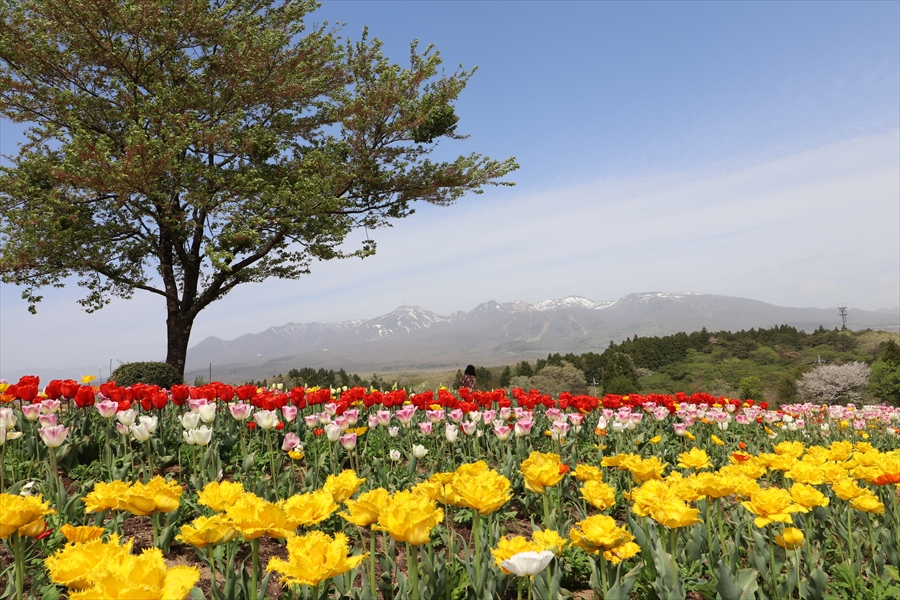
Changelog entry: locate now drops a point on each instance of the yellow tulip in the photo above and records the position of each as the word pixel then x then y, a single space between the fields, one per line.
pixel 588 473
pixel 772 505
pixel 17 512
pixel 409 517
pixel 219 496
pixel 76 564
pixel 313 558
pixel 485 492
pixel 105 496
pixel 847 489
pixel 509 547
pixel 795 449
pixel 791 539
pixel 620 553
pixel 541 471
pixel 365 510
pixel 598 494
pixel 674 513
pixel 548 539
pixel 647 469
pixel 254 517
pixel 343 486
pixel 309 509
pixel 598 533
pixel 80 535
pixel 867 502
pixel 808 496
pixel 716 440
pixel 211 531
pixel 694 459
pixel 144 576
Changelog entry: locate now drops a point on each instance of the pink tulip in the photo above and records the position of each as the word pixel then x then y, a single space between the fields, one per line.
pixel 54 435
pixel 240 411
pixel 352 416
pixel 50 406
pixel 488 416
pixel 348 441
pixel 456 415
pixel 31 411
pixel 384 417
pixel 373 421
pixel 48 420
pixel 311 420
pixel 435 416
pixel 290 412
pixel 291 441
pixel 468 427
pixel 107 408
pixel 502 432
pixel 405 414
pixel 426 426
pixel 523 427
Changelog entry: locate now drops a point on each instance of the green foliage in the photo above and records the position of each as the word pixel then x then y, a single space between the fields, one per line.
pixel 150 372
pixel 523 369
pixel 505 377
pixel 185 149
pixel 751 388
pixel 484 378
pixel 884 382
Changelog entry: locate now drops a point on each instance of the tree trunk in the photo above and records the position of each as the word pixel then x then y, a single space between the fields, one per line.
pixel 178 333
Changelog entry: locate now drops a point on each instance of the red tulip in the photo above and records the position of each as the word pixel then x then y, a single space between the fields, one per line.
pixel 84 396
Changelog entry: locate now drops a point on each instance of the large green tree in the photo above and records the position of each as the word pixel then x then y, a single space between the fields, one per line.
pixel 184 147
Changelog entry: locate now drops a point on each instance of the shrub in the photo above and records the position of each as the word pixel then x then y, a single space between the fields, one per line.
pixel 834 383
pixel 149 372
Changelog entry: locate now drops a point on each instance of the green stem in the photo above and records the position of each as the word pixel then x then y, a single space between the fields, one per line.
pixel 372 562
pixel 53 478
pixel 412 552
pixel 19 559
pixel 850 545
pixel 672 542
pixel 773 580
pixel 213 584
pixel 149 461
pixel 604 585
pixel 254 576
pixel 476 533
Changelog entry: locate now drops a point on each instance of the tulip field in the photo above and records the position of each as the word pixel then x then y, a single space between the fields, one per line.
pixel 227 492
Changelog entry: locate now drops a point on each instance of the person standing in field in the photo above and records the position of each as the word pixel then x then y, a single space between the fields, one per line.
pixel 468 378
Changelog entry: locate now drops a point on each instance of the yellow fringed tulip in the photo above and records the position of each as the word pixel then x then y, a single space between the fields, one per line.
pixel 485 492
pixel 791 539
pixel 17 512
pixel 694 459
pixel 409 517
pixel 365 510
pixel 598 494
pixel 598 533
pixel 541 471
pixel 211 531
pixel 313 558
pixel 309 509
pixel 343 486
pixel 772 505
pixel 219 496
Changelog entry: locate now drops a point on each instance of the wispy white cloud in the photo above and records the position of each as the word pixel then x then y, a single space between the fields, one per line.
pixel 810 229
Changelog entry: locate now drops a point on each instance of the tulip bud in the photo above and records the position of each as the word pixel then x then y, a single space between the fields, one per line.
pixel 419 451
pixel 395 455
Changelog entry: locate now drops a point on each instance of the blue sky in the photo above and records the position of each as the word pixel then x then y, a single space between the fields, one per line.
pixel 746 149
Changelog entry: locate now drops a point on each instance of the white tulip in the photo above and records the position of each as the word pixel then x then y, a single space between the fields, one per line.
pixel 126 417
pixel 189 436
pixel 149 422
pixel 395 455
pixel 266 419
pixel 527 564
pixel 419 451
pixel 202 435
pixel 207 413
pixel 451 432
pixel 334 432
pixel 141 431
pixel 190 420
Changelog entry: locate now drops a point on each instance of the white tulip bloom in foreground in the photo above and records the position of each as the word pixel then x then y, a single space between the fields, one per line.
pixel 527 564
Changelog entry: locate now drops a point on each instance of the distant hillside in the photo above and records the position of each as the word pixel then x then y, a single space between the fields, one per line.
pixel 491 334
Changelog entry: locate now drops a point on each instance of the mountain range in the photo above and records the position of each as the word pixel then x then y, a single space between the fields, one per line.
pixel 411 338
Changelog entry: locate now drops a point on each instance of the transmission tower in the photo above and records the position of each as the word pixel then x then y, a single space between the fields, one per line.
pixel 843 310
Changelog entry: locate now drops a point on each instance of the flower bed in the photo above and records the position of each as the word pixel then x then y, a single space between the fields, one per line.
pixel 371 494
